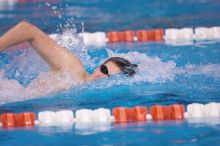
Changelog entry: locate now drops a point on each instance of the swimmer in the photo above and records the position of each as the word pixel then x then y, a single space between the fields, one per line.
pixel 59 58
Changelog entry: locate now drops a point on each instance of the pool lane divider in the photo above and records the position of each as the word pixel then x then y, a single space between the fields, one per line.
pixel 117 115
pixel 167 35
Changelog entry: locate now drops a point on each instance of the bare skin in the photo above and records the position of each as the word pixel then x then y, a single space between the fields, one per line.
pixel 56 56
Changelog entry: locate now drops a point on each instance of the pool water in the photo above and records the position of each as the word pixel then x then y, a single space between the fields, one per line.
pixel 167 74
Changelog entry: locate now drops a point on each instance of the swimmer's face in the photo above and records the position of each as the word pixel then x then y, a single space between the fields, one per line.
pixel 108 69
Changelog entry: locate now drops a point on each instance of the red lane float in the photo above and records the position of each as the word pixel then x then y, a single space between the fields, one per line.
pixel 167 111
pixel 159 33
pixel 145 35
pixel 12 120
pixel 138 113
pixel 171 112
pixel 178 111
pixel 134 114
pixel 114 36
pixel 150 35
pixel 128 36
pixel 157 112
pixel 142 35
pixel 121 114
pixel 8 120
pixel 25 119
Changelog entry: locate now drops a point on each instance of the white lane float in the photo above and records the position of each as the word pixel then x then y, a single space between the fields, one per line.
pixel 51 118
pixel 215 31
pixel 194 110
pixel 186 34
pixel 212 109
pixel 99 39
pixel 100 115
pixel 92 121
pixel 93 39
pixel 180 37
pixel 203 114
pixel 202 33
pixel 64 117
pixel 178 34
pixel 86 37
pixel 46 118
pixel 84 116
pixel 171 34
pixel 197 110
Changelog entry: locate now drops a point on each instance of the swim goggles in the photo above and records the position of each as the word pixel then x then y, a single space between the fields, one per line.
pixel 104 69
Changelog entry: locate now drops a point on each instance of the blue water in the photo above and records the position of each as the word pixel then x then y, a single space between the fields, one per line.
pixel 167 74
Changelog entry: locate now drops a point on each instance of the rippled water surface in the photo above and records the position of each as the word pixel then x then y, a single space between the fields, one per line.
pixel 166 73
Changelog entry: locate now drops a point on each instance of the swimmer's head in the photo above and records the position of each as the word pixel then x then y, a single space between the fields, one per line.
pixel 115 65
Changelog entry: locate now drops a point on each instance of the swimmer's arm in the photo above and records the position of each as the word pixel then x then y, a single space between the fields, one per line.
pixel 56 56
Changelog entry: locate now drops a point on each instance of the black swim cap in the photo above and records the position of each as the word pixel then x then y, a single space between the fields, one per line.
pixel 126 67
